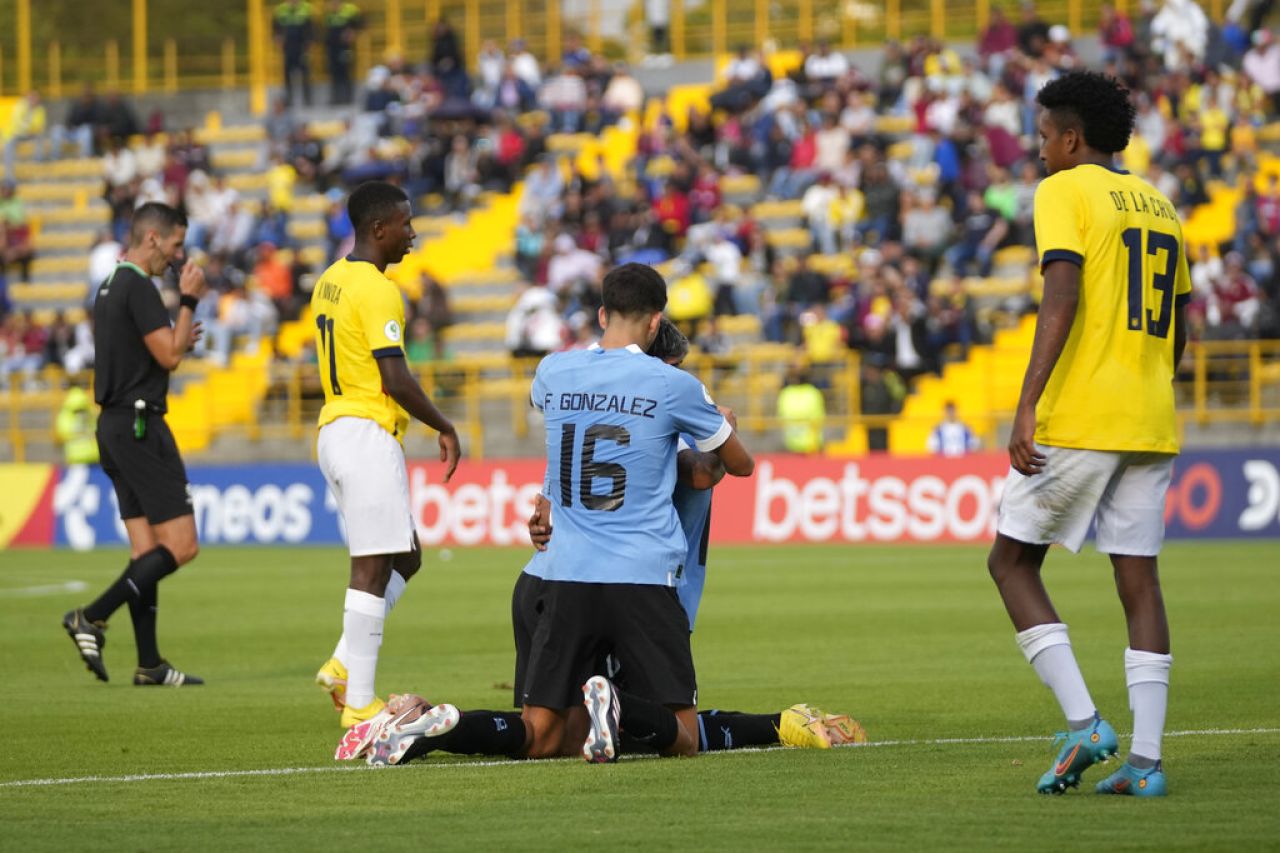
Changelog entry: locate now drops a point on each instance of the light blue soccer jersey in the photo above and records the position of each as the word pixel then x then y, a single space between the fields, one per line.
pixel 693 506
pixel 612 418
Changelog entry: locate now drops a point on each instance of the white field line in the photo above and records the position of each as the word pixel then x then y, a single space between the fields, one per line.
pixel 509 762
pixel 43 589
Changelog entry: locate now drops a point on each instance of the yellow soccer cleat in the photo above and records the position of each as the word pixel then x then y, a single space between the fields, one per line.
pixel 802 726
pixel 351 716
pixel 843 729
pixel 332 679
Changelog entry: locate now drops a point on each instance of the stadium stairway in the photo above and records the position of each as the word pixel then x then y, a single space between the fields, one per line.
pixel 984 387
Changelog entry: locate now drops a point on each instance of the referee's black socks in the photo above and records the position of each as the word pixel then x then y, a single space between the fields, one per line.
pixel 139 576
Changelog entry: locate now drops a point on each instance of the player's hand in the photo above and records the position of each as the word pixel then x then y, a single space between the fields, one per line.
pixel 191 282
pixel 729 416
pixel 450 452
pixel 197 332
pixel 1023 455
pixel 540 523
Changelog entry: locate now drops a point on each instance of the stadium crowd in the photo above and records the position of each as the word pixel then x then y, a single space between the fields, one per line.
pixel 891 223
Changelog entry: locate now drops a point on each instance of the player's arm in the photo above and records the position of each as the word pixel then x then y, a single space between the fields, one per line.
pixel 1179 334
pixel 699 470
pixel 540 523
pixel 168 344
pixel 403 387
pixel 733 454
pixel 1053 325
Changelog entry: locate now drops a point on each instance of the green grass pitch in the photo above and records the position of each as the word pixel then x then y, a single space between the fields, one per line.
pixel 910 640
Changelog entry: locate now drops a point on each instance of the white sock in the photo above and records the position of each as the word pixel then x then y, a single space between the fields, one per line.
pixel 1147 675
pixel 362 620
pixel 395 588
pixel 1048 649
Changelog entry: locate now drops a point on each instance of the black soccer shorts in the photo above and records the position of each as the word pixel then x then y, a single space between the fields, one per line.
pixel 580 623
pixel 147 473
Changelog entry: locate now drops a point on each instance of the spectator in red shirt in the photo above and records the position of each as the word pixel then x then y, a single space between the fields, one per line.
pixel 997 41
pixel 672 211
pixel 704 198
pixel 1115 31
pixel 1269 208
pixel 1234 303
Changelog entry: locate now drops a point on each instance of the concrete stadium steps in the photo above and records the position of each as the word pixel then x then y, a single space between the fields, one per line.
pixel 215 398
pixel 984 387
pixel 474 338
pixel 778 215
pixel 467 308
pixel 51 242
pixel 742 190
pixel 94 214
pixel 55 295
pixel 76 191
pixel 236 159
pixel 57 170
pixel 789 242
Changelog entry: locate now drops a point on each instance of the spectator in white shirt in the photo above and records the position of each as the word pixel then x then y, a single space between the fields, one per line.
pixel 1262 64
pixel 119 165
pixel 825 66
pixel 952 437
pixel 524 64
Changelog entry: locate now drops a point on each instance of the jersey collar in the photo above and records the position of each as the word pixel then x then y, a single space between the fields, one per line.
pixel 635 348
pixel 139 270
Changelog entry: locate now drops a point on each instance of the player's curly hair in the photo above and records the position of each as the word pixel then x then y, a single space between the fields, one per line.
pixel 1098 103
pixel 670 345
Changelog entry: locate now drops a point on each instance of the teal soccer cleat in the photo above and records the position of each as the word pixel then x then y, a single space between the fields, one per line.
pixel 1129 781
pixel 1081 750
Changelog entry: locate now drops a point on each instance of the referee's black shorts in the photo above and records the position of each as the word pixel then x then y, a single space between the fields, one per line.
pixel 580 623
pixel 149 477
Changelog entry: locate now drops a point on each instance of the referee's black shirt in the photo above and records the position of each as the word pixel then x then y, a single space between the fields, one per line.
pixel 128 308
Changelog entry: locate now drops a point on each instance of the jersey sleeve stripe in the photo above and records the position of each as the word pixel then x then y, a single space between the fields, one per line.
pixel 706 445
pixel 1061 255
pixel 388 352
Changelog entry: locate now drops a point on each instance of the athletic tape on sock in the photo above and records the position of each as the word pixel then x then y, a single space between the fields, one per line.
pixel 395 589
pixel 365 604
pixel 1037 638
pixel 1146 667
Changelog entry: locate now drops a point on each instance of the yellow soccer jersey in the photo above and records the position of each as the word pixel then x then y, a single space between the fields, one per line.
pixel 359 317
pixel 1112 386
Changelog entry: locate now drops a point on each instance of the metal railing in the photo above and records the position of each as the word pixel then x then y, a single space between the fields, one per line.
pixel 238 50
pixel 1220 382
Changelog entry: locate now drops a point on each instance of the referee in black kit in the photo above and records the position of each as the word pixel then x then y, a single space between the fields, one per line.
pixel 136 348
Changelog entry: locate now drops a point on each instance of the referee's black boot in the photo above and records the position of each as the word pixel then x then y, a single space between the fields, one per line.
pixel 163 675
pixel 90 638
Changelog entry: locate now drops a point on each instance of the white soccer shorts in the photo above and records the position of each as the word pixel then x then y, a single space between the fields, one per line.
pixel 1123 491
pixel 364 467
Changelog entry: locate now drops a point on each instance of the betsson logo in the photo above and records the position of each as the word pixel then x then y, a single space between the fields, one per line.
pixel 884 509
pixel 496 513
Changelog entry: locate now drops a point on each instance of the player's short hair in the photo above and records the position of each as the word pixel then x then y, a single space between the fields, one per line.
pixel 155 216
pixel 373 201
pixel 670 345
pixel 1097 103
pixel 633 290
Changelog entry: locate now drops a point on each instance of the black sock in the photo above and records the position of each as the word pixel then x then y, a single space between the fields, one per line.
pixel 477 733
pixel 734 730
pixel 118 593
pixel 143 613
pixel 652 724
pixel 146 571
